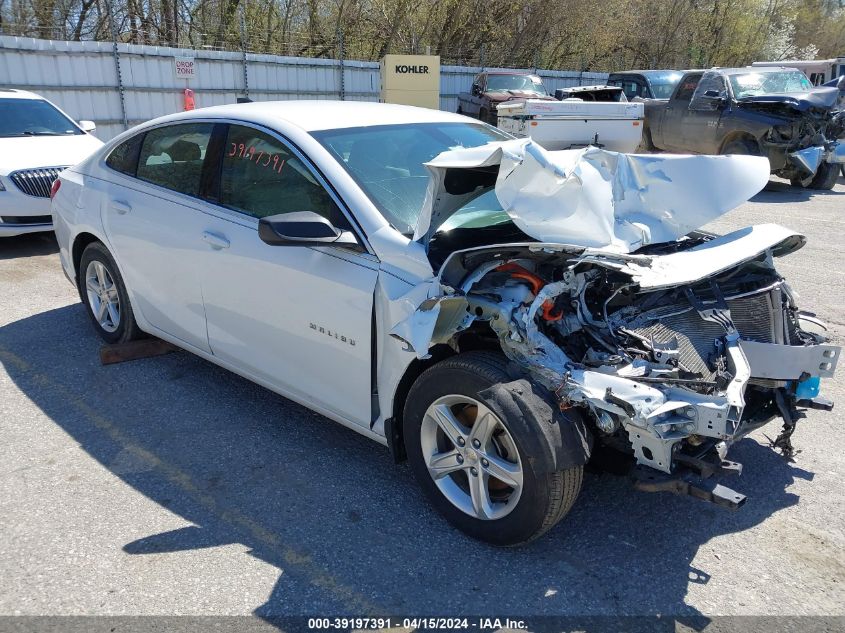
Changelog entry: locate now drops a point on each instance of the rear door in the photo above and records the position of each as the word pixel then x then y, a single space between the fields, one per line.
pixel 298 319
pixel 672 129
pixel 152 213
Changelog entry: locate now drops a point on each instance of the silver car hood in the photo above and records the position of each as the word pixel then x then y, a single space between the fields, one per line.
pixel 591 197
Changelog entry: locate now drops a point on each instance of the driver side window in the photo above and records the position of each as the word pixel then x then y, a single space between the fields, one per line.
pixel 261 176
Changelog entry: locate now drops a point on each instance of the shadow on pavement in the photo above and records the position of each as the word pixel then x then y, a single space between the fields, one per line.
pixel 782 191
pixel 349 530
pixel 31 245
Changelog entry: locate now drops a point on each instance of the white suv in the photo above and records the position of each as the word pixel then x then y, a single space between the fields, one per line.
pixel 37 141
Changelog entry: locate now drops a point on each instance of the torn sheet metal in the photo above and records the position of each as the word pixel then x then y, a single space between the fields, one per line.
pixel 704 260
pixel 808 159
pixel 591 197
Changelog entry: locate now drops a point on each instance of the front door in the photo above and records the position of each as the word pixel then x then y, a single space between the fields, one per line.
pixel 296 318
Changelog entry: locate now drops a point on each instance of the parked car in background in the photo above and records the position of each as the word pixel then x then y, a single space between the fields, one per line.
pixel 646 84
pixel 489 89
pixel 37 141
pixel 760 111
pixel 486 309
pixel 583 115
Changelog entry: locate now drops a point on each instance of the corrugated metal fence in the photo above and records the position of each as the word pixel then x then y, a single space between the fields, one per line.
pixel 83 79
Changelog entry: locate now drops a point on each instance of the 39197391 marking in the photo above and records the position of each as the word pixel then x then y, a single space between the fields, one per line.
pixel 265 159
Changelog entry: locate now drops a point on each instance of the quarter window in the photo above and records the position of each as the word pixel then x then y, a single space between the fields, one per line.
pixel 124 157
pixel 172 156
pixel 261 177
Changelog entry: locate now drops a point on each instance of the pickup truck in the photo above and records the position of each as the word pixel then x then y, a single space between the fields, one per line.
pixel 583 115
pixel 772 112
pixel 489 89
pixel 646 84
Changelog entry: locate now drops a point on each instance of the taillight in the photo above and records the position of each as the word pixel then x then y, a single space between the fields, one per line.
pixel 55 188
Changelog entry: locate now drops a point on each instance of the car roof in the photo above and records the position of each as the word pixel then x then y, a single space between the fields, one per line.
pixel 752 69
pixel 314 115
pixel 14 93
pixel 647 72
pixel 523 73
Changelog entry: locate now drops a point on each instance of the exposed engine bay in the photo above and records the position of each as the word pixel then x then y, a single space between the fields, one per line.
pixel 671 351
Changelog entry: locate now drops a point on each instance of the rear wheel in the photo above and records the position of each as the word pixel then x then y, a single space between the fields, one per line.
pixel 825 178
pixel 484 115
pixel 104 295
pixel 472 464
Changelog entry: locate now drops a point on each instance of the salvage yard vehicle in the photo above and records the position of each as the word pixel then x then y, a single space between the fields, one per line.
pixel 491 311
pixel 490 89
pixel 646 84
pixel 770 112
pixel 37 141
pixel 585 115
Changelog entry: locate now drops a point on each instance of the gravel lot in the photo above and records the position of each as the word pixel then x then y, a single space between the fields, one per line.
pixel 168 486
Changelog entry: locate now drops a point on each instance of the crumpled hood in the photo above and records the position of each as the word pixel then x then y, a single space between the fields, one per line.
pixel 824 98
pixel 591 197
pixel 25 152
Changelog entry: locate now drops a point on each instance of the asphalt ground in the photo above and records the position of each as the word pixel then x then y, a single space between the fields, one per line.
pixel 168 486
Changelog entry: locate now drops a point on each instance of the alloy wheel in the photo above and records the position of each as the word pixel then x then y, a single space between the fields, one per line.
pixel 471 457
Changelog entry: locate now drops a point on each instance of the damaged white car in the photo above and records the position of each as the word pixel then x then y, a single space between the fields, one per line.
pixel 492 311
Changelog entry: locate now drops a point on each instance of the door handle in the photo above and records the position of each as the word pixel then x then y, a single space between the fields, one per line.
pixel 216 241
pixel 121 207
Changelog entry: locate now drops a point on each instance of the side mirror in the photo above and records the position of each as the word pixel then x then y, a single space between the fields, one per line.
pixel 840 85
pixel 717 99
pixel 88 126
pixel 476 89
pixel 303 228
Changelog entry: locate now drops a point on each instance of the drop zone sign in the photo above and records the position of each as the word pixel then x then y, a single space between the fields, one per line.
pixel 185 67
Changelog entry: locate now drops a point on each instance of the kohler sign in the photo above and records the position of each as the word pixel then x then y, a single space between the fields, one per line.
pixel 403 69
pixel 411 79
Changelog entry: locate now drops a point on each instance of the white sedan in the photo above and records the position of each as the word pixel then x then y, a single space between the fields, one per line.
pixel 487 309
pixel 37 141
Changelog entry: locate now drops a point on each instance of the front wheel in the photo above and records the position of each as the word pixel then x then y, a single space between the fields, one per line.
pixel 472 464
pixel 824 179
pixel 104 295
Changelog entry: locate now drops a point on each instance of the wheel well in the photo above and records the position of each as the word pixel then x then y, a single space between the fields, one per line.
pixel 415 369
pixel 739 136
pixel 82 240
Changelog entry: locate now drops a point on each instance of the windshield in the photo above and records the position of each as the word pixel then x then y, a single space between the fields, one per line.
pixel 33 117
pixel 387 162
pixel 519 83
pixel 663 84
pixel 763 83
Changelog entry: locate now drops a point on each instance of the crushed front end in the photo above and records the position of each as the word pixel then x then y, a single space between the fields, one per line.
pixel 671 342
pixel 669 361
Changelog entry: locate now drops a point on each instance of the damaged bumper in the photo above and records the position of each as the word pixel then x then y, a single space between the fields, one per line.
pixel 809 159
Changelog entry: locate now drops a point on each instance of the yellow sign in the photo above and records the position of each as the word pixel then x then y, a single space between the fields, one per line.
pixel 411 80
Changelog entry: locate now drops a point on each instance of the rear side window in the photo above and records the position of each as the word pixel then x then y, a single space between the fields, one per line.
pixel 261 176
pixel 687 87
pixel 172 156
pixel 124 157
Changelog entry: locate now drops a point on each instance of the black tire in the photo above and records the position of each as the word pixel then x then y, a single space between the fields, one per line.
pixel 484 115
pixel 742 146
pixel 824 179
pixel 127 329
pixel 647 144
pixel 545 497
